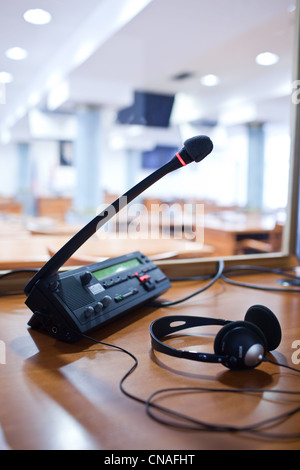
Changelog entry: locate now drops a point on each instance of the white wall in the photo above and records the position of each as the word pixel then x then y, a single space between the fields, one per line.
pixel 276 174
pixel 221 176
pixel 9 181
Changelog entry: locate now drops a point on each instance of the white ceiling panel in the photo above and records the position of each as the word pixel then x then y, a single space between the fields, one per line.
pixel 106 49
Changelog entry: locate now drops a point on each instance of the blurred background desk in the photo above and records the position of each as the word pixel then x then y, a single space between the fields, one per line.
pixel 31 241
pixel 60 396
pixel 233 233
pixel 34 251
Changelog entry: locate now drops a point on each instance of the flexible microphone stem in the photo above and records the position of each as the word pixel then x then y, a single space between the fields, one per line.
pixel 194 149
pixel 59 258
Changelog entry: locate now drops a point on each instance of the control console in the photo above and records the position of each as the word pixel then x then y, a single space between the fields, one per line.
pixel 77 302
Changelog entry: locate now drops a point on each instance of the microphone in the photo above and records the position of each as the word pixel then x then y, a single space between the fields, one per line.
pixel 194 149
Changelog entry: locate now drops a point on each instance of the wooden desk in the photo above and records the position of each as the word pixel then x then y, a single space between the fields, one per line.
pixel 34 251
pixel 59 396
pixel 225 231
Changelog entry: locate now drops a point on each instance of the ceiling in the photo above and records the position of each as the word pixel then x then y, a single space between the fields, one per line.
pixel 97 52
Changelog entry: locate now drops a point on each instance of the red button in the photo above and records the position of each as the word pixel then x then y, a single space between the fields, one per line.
pixel 144 278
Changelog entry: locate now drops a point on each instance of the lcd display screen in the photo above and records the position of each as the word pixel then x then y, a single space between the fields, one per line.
pixel 116 268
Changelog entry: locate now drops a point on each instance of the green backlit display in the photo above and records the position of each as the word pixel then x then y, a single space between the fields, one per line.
pixel 116 268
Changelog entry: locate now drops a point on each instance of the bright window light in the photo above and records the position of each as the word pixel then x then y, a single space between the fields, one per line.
pixel 6 77
pixel 37 16
pixel 16 53
pixel 267 58
pixel 210 80
pixel 58 95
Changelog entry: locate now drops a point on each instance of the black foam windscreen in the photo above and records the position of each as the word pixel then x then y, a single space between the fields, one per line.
pixel 198 147
pixel 266 320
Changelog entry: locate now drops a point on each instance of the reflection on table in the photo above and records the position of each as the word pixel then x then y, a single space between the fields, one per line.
pixel 30 241
pixel 67 396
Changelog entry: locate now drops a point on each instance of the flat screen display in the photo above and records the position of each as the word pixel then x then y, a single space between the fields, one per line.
pixel 148 109
pixel 116 268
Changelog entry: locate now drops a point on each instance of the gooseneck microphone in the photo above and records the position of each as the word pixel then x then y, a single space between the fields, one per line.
pixel 195 149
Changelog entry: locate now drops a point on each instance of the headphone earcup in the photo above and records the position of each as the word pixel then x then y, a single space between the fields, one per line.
pixel 267 322
pixel 243 343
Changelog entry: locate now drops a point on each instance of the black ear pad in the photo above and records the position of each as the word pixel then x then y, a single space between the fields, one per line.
pixel 243 343
pixel 267 322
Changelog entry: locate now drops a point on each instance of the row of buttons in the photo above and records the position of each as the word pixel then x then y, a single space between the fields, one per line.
pixel 97 308
pixel 145 281
pixel 131 292
pixel 118 279
pixel 114 281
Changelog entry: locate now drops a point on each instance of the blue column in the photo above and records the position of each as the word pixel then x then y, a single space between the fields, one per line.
pixel 256 162
pixel 25 195
pixel 88 194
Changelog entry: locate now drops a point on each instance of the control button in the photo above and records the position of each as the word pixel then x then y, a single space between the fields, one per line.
pixel 98 307
pixel 151 267
pixel 53 285
pixel 88 312
pixel 106 300
pixel 86 278
pixel 146 281
pixel 131 292
pixel 160 279
pixel 118 280
pixel 144 278
pixel 149 286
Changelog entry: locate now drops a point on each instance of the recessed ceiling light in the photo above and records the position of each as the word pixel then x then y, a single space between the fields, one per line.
pixel 16 53
pixel 267 58
pixel 210 80
pixel 37 16
pixel 6 77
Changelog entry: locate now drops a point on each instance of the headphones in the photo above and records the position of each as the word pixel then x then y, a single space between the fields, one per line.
pixel 239 345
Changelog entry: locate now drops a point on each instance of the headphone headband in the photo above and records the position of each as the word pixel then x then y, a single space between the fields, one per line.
pixel 167 325
pixel 238 345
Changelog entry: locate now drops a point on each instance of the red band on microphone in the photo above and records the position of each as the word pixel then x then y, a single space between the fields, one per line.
pixel 180 159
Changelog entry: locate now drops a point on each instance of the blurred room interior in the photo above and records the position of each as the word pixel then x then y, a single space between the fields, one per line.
pixel 106 91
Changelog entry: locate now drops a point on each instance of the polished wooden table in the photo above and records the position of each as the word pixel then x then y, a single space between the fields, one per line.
pixel 28 251
pixel 66 396
pixel 225 231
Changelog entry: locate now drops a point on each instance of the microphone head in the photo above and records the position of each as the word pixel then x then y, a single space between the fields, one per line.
pixel 198 147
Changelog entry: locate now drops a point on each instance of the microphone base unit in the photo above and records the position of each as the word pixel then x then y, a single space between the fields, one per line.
pixel 72 303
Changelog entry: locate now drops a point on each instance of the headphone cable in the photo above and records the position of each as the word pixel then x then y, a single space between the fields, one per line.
pixel 218 275
pixel 239 269
pixel 193 424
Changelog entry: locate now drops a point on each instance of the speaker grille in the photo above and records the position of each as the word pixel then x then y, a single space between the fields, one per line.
pixel 73 294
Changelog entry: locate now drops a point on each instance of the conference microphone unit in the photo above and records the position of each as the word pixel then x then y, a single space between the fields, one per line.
pixel 69 304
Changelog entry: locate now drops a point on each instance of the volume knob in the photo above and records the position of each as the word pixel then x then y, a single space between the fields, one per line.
pixel 106 300
pixel 86 278
pixel 88 312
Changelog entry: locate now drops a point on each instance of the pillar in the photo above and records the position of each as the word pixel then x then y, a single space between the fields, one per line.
pixel 25 191
pixel 88 194
pixel 255 166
